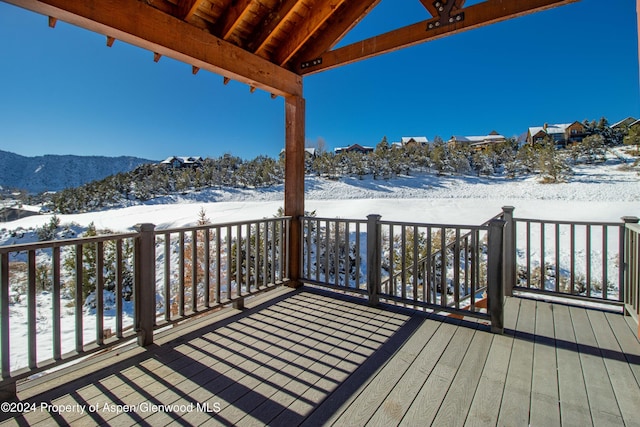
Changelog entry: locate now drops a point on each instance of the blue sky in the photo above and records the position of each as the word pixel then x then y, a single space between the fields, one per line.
pixel 62 91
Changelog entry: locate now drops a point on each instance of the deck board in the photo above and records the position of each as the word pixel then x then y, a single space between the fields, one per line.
pixel 311 357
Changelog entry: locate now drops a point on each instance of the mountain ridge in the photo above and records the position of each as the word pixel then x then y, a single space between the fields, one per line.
pixel 53 172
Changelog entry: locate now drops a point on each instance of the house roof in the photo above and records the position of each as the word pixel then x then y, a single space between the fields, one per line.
pixel 184 160
pixel 550 129
pixel 418 139
pixel 477 138
pixel 624 122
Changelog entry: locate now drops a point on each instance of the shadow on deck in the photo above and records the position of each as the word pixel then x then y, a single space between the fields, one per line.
pixel 311 357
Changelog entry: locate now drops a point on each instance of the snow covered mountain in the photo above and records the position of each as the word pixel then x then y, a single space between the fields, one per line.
pixel 56 172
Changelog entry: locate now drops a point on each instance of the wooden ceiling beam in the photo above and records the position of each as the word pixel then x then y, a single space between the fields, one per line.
pixel 139 24
pixel 263 34
pixel 187 8
pixel 319 14
pixel 475 16
pixel 232 18
pixel 341 23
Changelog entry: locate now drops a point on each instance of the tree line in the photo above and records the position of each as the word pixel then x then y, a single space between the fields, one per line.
pixel 509 158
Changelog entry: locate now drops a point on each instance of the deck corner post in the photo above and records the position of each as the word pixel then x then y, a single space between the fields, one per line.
pixel 495 275
pixel 373 259
pixel 145 281
pixel 8 390
pixel 509 261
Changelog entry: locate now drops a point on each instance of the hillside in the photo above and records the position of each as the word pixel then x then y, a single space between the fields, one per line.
pixel 56 172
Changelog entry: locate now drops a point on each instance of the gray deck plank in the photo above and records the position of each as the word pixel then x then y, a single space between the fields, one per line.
pixel 628 341
pixel 545 410
pixel 429 399
pixel 604 407
pixel 516 399
pixel 457 402
pixel 574 408
pixel 364 405
pixel 622 379
pixel 485 407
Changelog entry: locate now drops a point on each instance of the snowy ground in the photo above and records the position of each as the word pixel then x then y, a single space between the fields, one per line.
pixel 602 192
pixel 599 193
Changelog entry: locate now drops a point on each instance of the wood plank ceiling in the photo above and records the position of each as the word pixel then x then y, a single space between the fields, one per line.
pixel 299 34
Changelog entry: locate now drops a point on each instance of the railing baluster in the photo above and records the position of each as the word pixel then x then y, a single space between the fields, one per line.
pixel 207 268
pixel 456 269
pixel 229 263
pixel 181 269
pixel 588 259
pixel 167 277
pixel 528 254
pixel 605 263
pixel 403 260
pixel 557 228
pixel 119 285
pixel 392 276
pixel 99 293
pixel 31 309
pixel 543 267
pixel 238 261
pixel 79 299
pixel 55 303
pixel 572 251
pixel 443 266
pixel 430 277
pixel 357 239
pixel 194 271
pixel 218 267
pixel 5 367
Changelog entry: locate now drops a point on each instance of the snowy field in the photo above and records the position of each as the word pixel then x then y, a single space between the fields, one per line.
pixel 598 193
pixel 594 193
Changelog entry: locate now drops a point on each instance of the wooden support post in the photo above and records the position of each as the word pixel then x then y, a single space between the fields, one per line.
pixel 52 22
pixel 509 261
pixel 7 384
pixel 145 283
pixel 294 181
pixel 110 41
pixel 494 275
pixel 373 259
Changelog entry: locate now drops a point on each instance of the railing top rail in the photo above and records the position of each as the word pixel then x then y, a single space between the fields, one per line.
pixel 420 224
pixel 219 225
pixel 333 219
pixel 567 222
pixel 66 242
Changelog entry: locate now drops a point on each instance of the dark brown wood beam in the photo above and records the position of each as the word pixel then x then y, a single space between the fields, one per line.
pixel 139 24
pixel 341 23
pixel 319 14
pixel 294 180
pixel 476 16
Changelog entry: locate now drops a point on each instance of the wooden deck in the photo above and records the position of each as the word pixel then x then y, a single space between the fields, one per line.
pixel 308 357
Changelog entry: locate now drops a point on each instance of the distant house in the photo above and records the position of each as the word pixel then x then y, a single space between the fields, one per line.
pixel 355 148
pixel 408 141
pixel 477 142
pixel 624 124
pixel 562 134
pixel 176 162
pixel 309 153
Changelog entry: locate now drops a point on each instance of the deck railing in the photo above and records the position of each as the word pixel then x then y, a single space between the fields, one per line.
pixel 122 286
pixel 572 259
pixel 425 266
pixel 632 269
